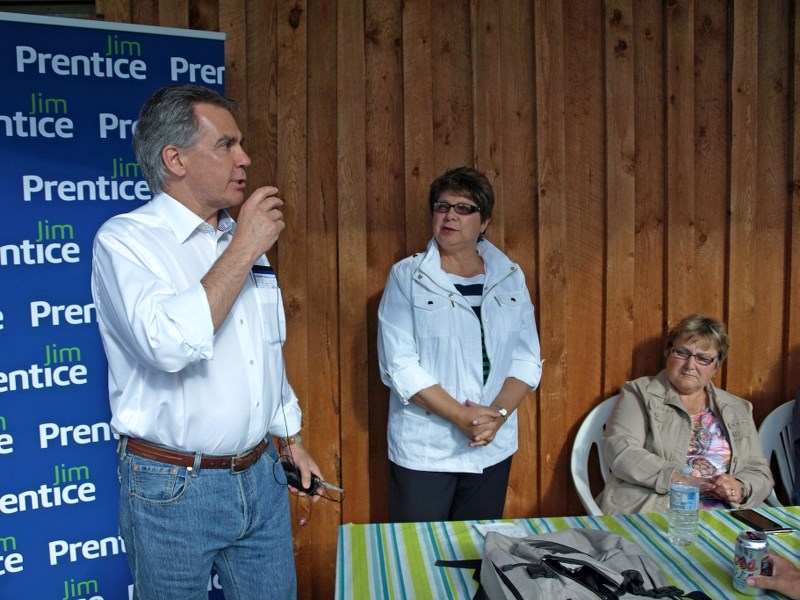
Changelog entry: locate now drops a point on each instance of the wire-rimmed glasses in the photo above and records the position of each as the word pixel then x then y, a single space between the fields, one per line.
pixel 701 359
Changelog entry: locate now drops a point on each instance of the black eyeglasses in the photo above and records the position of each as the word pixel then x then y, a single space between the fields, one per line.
pixel 701 359
pixel 461 208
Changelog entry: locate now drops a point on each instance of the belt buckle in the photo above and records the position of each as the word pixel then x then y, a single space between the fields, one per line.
pixel 250 458
pixel 233 469
pixel 246 460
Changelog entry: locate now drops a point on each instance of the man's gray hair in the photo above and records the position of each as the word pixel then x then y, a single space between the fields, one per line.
pixel 168 117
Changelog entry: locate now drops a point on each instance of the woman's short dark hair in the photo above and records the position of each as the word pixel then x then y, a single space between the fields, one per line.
pixel 168 117
pixel 709 330
pixel 467 182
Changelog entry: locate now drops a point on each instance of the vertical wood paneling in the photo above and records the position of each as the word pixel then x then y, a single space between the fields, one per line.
pixel 683 282
pixel 516 211
pixel 205 15
pixel 386 244
pixel 584 242
pixel 515 219
pixel 585 183
pixel 649 115
pixel 260 94
pixel 452 86
pixel 420 151
pixel 487 100
pixel 761 236
pixel 549 51
pixel 744 192
pixel 708 146
pixel 620 190
pixel 115 10
pixel 145 12
pixel 792 340
pixel 174 13
pixel 765 349
pixel 644 156
pixel 233 19
pixel 292 251
pixel 325 323
pixel 352 226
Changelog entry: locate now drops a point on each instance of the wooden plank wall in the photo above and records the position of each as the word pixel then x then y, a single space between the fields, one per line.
pixel 646 159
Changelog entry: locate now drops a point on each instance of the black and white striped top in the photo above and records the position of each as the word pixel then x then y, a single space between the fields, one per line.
pixel 472 290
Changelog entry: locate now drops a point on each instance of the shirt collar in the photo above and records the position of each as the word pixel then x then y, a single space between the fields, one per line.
pixel 183 221
pixel 497 265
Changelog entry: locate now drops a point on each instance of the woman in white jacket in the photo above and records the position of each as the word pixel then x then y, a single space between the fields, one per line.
pixel 459 350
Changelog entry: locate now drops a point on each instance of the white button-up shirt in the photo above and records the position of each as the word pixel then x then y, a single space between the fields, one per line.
pixel 171 379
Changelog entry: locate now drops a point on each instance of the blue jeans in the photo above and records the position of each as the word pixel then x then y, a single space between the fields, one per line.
pixel 177 523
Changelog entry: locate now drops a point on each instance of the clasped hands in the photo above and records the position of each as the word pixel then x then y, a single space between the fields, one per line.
pixel 479 423
pixel 725 487
pixel 728 489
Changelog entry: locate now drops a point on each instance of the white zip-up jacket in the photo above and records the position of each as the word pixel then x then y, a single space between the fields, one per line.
pixel 428 334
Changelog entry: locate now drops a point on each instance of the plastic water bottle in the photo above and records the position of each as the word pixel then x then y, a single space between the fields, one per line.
pixel 684 502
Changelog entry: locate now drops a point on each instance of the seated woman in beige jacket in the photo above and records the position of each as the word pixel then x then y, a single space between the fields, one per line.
pixel 679 418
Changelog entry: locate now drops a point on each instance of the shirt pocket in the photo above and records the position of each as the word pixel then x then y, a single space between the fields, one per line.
pixel 510 310
pixel 432 315
pixel 272 318
pixel 741 429
pixel 425 433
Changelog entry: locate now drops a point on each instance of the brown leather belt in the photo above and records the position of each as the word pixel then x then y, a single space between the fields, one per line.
pixel 236 464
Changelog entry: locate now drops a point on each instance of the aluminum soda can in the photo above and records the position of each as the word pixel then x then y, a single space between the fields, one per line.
pixel 750 558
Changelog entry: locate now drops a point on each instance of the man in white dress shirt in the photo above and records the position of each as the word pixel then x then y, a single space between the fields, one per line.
pixel 192 322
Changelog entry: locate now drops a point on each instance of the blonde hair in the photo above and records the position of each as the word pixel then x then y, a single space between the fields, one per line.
pixel 705 328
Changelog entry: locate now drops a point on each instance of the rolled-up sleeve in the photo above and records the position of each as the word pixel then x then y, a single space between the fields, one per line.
pixel 526 361
pixel 138 304
pixel 287 420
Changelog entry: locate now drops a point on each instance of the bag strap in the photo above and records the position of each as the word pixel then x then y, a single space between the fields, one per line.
pixel 464 563
pixel 475 564
pixel 508 583
pixel 634 583
pixel 467 563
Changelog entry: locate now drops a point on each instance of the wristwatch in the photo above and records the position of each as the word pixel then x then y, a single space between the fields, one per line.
pixel 503 411
pixel 288 441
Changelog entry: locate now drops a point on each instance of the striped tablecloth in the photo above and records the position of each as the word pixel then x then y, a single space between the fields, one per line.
pixel 397 560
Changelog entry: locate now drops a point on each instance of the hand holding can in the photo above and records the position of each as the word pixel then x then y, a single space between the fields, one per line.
pixel 750 558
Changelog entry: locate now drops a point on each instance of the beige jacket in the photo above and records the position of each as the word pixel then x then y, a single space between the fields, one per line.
pixel 647 439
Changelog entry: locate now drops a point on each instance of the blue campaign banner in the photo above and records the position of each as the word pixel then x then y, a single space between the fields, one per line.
pixel 72 90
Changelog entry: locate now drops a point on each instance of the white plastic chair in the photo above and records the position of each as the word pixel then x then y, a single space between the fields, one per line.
pixel 590 435
pixel 776 439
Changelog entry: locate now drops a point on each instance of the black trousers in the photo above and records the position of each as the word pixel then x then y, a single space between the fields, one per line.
pixel 436 496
